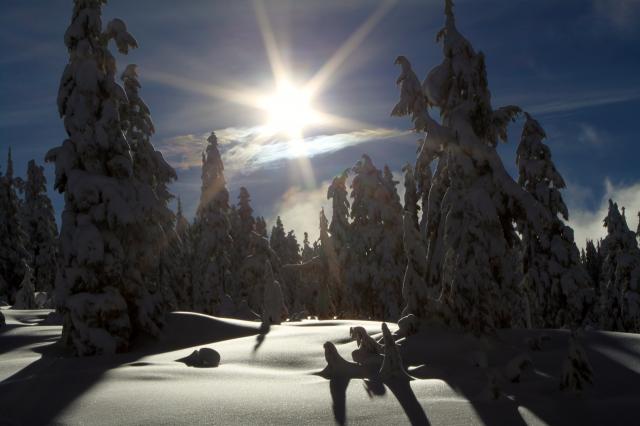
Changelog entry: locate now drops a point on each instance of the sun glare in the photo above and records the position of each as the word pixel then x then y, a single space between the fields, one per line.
pixel 289 110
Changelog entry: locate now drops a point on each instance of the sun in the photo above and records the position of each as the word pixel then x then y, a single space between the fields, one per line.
pixel 289 110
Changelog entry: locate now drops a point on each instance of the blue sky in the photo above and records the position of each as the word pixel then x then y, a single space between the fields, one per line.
pixel 574 64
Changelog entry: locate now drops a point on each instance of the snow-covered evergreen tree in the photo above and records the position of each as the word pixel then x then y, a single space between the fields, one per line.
pixel 336 249
pixel 243 224
pixel 182 224
pixel 150 168
pixel 374 277
pixel 274 310
pixel 557 286
pixel 101 289
pixel 245 211
pixel 180 263
pixel 593 262
pixel 339 227
pixel 250 284
pixel 278 240
pixel 620 276
pixel 331 284
pixel 410 193
pixel 261 226
pixel 25 297
pixel 39 224
pixel 307 251
pixel 415 292
pixel 473 203
pixel 292 253
pixel 389 248
pixel 13 255
pixel 212 268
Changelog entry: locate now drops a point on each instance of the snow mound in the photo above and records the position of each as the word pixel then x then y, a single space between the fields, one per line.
pixel 187 329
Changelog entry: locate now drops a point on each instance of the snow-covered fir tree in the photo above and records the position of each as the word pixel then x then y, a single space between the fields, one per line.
pixel 278 240
pixel 389 248
pixel 620 276
pixel 160 266
pixel 410 194
pixel 212 268
pixel 337 248
pixel 182 224
pixel 243 224
pixel 558 289
pixel 250 284
pixel 13 255
pixel 261 226
pixel 101 290
pixel 180 265
pixel 424 178
pixel 592 262
pixel 307 250
pixel 473 203
pixel 39 224
pixel 414 288
pixel 274 310
pixel 25 296
pixel 245 211
pixel 374 277
pixel 332 294
pixel 292 253
pixel 339 227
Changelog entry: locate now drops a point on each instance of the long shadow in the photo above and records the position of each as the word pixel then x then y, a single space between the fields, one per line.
pixel 401 389
pixel 613 379
pixel 338 388
pixel 339 372
pixel 43 390
pixel 265 328
pixel 10 341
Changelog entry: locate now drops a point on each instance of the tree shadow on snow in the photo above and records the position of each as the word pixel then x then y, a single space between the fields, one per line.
pixel 42 391
pixel 536 395
pixel 340 372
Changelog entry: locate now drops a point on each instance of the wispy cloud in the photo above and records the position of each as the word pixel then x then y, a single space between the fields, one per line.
pixel 576 101
pixel 245 149
pixel 28 114
pixel 622 15
pixel 587 223
pixel 591 136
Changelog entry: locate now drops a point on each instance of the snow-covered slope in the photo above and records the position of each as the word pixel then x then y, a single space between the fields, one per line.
pixel 455 376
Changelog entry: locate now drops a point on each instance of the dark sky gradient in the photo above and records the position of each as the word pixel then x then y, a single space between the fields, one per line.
pixel 574 64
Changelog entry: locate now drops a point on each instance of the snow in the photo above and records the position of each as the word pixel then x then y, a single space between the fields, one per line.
pixel 281 382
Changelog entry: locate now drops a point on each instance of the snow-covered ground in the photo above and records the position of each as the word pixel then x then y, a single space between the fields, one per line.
pixel 278 383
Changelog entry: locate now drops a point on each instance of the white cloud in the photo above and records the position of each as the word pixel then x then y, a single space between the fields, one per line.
pixel 245 148
pixel 587 223
pixel 299 210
